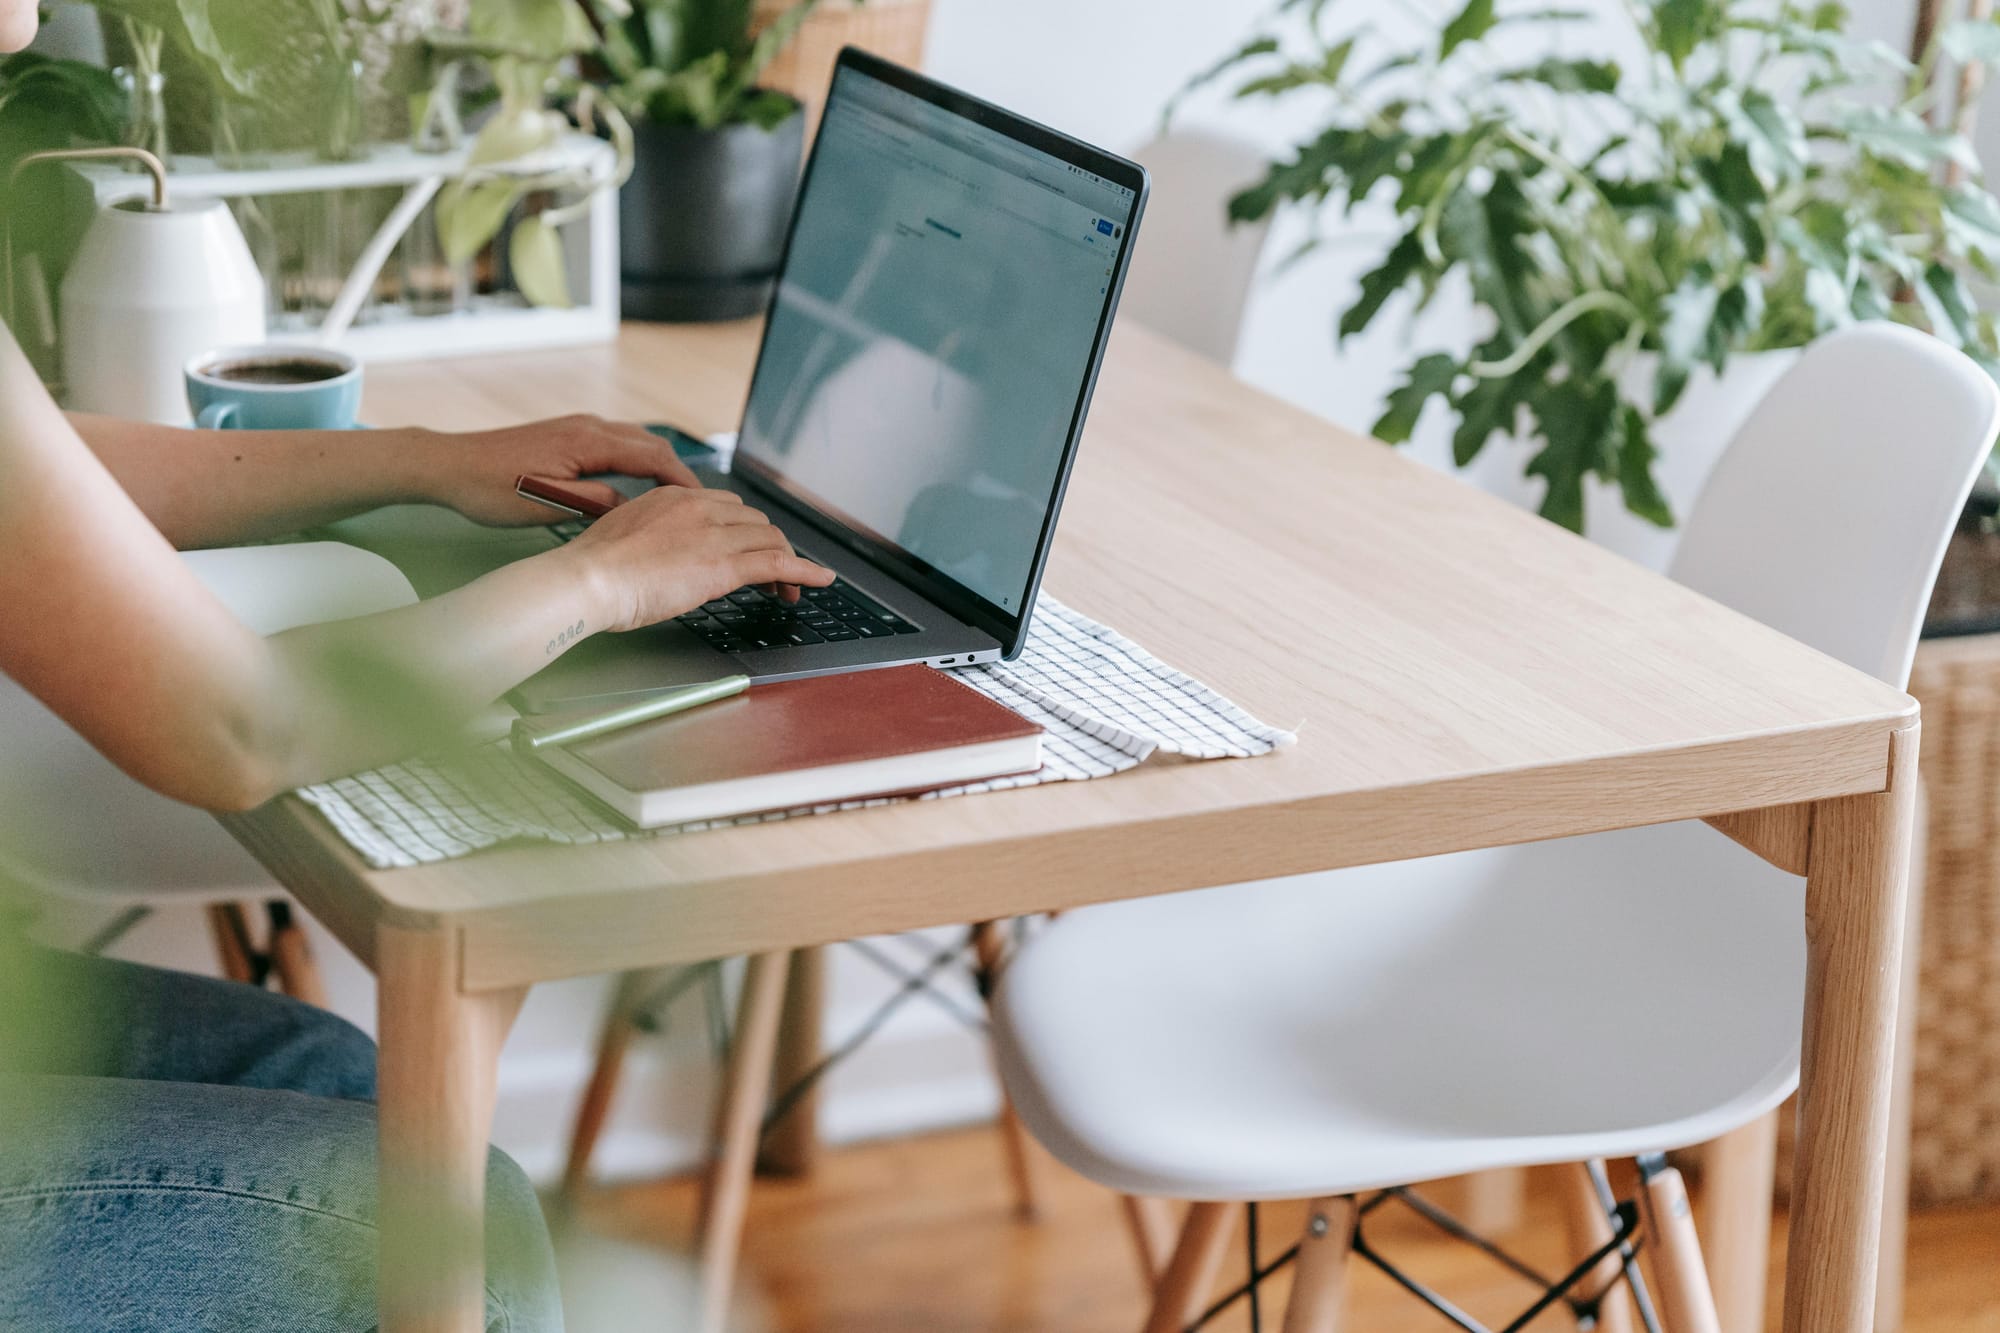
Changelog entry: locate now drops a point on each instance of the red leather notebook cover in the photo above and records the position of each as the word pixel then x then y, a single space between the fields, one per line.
pixel 802 724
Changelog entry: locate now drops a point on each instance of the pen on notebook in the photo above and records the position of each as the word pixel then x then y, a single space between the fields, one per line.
pixel 527 741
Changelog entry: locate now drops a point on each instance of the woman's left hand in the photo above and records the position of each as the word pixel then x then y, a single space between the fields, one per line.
pixel 474 472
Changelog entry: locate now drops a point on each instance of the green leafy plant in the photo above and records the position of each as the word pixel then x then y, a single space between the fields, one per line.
pixel 1760 177
pixel 48 104
pixel 693 62
pixel 272 54
pixel 525 43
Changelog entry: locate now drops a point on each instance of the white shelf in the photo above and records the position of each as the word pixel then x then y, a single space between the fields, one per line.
pixel 298 173
pixel 394 333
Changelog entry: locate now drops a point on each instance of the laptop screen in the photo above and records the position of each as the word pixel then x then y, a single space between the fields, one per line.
pixel 933 334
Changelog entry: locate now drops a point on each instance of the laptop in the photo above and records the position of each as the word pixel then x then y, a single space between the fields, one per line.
pixel 932 340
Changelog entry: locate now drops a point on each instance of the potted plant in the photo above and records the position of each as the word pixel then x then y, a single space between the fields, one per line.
pixel 716 157
pixel 1759 177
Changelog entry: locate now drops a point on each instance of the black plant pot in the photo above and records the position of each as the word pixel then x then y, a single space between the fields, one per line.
pixel 702 221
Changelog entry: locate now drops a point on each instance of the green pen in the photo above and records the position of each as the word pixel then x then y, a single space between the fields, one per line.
pixel 527 741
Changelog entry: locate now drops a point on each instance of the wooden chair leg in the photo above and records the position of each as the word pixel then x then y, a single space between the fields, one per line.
pixel 292 960
pixel 1490 1202
pixel 1737 1180
pixel 1319 1286
pixel 613 1040
pixel 1190 1275
pixel 725 1196
pixel 989 946
pixel 232 941
pixel 1680 1281
pixel 1150 1222
pixel 1589 1228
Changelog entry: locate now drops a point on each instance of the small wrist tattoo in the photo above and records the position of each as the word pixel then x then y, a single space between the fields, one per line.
pixel 565 639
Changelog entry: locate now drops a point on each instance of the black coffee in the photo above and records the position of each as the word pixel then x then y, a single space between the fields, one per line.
pixel 275 370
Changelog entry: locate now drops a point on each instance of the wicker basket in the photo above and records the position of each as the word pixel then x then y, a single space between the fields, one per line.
pixel 1955 1112
pixel 892 29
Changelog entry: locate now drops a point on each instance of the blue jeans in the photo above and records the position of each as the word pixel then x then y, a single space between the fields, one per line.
pixel 182 1154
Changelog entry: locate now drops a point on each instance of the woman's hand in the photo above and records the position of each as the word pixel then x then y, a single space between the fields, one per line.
pixel 672 549
pixel 474 473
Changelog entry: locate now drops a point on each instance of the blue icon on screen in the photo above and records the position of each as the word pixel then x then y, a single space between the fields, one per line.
pixel 1104 226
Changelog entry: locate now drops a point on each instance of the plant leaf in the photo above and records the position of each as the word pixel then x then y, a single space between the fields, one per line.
pixel 1773 134
pixel 1902 136
pixel 1470 24
pixel 536 256
pixel 1684 329
pixel 1489 405
pixel 1953 314
pixel 468 215
pixel 1576 418
pixel 1635 470
pixel 1489 233
pixel 1681 25
pixel 1382 282
pixel 1429 376
pixel 1971 39
pixel 1568 75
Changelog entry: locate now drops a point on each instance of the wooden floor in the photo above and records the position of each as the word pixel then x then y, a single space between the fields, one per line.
pixel 917 1236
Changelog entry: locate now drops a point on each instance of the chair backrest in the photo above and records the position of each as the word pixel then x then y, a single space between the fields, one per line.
pixel 1191 272
pixel 1828 515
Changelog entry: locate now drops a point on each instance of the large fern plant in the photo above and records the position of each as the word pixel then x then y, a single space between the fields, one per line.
pixel 1758 177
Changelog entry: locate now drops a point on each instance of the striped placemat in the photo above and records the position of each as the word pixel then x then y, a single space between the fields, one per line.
pixel 1106 704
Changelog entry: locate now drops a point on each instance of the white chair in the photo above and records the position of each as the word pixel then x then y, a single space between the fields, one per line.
pixel 1191 272
pixel 1609 996
pixel 80 834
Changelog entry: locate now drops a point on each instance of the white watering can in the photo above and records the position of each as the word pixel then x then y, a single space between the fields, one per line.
pixel 153 283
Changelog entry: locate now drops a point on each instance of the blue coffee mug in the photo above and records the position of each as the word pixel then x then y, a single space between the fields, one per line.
pixel 274 386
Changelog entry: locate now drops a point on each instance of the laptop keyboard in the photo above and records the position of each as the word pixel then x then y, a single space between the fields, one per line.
pixel 750 620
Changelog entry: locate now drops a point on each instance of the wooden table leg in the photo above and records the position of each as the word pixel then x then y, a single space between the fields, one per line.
pixel 1896 1175
pixel 793 1143
pixel 440 1053
pixel 1855 887
pixel 725 1196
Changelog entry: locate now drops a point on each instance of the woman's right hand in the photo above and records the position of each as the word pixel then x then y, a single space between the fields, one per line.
pixel 673 548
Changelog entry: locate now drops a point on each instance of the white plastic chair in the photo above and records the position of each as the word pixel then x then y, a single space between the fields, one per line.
pixel 1191 272
pixel 1608 996
pixel 78 832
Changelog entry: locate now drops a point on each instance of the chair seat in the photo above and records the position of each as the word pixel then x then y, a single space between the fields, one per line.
pixel 1391 1024
pixel 73 826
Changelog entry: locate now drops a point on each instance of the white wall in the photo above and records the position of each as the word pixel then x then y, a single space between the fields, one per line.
pixel 1101 71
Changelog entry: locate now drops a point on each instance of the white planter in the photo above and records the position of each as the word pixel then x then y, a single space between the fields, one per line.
pixel 1689 439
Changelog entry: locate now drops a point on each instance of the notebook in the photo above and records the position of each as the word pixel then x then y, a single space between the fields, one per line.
pixel 892 732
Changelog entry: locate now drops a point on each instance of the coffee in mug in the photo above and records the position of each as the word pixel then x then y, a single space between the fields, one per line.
pixel 273 386
pixel 275 370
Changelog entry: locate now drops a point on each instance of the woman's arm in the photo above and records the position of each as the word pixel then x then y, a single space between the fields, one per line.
pixel 216 487
pixel 102 622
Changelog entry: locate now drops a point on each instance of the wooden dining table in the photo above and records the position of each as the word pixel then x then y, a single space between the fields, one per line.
pixel 1460 674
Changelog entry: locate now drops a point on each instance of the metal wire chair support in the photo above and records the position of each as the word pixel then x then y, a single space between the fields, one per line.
pixel 1624 1227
